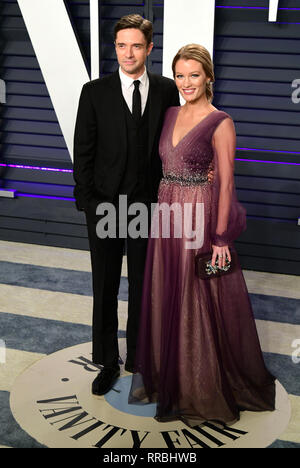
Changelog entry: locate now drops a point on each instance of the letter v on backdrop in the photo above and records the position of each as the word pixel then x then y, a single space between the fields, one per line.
pixel 60 59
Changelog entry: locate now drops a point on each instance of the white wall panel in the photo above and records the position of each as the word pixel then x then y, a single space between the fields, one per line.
pixel 95 39
pixel 186 22
pixel 59 57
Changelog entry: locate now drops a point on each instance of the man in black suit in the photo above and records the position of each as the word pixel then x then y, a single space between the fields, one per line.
pixel 116 153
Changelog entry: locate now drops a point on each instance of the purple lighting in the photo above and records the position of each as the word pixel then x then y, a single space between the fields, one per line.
pixel 268 150
pixel 48 197
pixel 243 7
pixel 70 171
pixel 36 168
pixel 268 162
pixel 254 8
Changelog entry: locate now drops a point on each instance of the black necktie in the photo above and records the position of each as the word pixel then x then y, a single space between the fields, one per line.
pixel 136 102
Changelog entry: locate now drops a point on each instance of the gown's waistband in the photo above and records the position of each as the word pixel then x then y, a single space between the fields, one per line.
pixel 185 180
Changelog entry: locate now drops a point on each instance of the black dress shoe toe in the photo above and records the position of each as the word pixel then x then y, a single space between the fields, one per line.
pixel 105 380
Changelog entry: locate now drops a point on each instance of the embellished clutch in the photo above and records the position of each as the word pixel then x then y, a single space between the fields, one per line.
pixel 205 270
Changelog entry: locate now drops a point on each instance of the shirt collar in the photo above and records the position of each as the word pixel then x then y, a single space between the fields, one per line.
pixel 127 81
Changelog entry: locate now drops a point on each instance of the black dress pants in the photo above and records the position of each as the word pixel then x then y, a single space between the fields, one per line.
pixel 106 260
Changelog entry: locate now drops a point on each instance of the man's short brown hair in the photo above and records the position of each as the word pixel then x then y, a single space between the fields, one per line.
pixel 135 22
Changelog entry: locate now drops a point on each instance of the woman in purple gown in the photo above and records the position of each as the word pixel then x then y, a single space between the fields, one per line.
pixel 198 354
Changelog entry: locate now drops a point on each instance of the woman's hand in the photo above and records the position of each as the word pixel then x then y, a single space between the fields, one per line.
pixel 220 253
pixel 210 176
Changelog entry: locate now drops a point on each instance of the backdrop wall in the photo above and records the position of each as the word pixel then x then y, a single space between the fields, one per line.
pixel 256 65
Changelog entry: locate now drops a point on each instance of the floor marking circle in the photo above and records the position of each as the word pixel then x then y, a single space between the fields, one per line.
pixel 52 401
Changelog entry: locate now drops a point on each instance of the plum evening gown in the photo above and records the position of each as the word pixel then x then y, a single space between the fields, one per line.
pixel 198 353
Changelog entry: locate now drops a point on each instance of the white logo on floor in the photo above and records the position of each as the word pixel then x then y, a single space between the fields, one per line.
pixel 2 352
pixel 52 402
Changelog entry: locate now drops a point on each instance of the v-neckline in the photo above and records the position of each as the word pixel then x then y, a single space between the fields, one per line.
pixel 193 128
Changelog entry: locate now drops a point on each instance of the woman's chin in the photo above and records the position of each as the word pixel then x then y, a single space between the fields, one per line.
pixel 189 99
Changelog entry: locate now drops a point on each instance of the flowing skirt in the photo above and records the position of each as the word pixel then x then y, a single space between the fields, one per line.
pixel 198 353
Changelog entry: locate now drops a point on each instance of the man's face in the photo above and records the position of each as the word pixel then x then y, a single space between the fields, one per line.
pixel 132 51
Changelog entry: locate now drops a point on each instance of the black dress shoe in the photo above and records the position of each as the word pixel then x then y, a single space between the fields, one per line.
pixel 105 380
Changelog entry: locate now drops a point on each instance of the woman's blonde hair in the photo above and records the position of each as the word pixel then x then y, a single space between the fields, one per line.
pixel 200 54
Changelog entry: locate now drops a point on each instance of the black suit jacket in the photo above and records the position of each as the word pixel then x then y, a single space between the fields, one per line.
pixel 100 140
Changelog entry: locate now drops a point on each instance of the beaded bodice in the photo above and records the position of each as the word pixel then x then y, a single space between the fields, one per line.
pixel 190 161
pixel 197 165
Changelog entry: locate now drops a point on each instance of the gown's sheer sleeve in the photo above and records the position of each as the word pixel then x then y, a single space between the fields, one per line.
pixel 228 215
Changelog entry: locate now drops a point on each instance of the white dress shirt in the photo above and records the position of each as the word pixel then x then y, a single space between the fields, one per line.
pixel 128 88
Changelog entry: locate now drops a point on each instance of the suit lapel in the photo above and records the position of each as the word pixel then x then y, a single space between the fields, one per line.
pixel 117 107
pixel 155 105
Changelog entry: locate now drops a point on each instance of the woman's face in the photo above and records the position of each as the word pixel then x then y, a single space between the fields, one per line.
pixel 190 79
